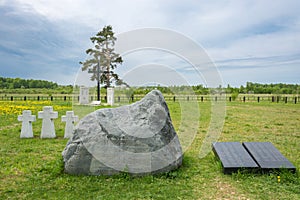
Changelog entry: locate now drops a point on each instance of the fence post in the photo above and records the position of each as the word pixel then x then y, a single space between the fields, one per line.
pixel 119 99
pixel 24 98
pixel 11 98
pixel 295 100
pixel 278 98
pixel 174 98
pixel 273 99
pixel 229 99
pixel 258 98
pixel 132 98
pixel 286 99
pixel 244 99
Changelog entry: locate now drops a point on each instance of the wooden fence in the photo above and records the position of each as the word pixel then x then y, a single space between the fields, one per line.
pixel 175 98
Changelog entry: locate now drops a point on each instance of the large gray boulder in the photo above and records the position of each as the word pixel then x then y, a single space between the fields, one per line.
pixel 138 139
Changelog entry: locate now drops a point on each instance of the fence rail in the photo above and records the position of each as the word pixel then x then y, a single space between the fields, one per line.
pixel 175 98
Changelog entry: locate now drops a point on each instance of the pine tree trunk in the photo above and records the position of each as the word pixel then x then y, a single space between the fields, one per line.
pixel 108 65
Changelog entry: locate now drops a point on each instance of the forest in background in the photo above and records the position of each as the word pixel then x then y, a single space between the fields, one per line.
pixel 31 86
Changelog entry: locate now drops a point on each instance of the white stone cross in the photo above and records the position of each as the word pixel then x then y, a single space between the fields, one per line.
pixel 27 119
pixel 48 116
pixel 70 119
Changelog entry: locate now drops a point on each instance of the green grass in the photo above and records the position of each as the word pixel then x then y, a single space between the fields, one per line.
pixel 33 168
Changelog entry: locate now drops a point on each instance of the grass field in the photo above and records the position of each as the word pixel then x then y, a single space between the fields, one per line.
pixel 33 168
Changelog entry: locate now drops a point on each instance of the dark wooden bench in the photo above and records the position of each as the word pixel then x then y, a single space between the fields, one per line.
pixel 252 156
pixel 233 157
pixel 268 157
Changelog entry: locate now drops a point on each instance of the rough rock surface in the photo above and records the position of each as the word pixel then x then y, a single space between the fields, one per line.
pixel 138 139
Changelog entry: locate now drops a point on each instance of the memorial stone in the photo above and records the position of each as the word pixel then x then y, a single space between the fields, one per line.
pixel 110 96
pixel 84 95
pixel 138 138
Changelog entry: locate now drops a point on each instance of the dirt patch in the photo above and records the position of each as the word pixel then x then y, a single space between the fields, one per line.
pixel 9 127
pixel 227 191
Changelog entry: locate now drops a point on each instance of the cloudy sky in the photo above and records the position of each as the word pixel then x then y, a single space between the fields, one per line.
pixel 248 40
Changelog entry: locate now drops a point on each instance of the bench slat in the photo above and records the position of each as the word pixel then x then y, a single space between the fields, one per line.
pixel 233 157
pixel 267 156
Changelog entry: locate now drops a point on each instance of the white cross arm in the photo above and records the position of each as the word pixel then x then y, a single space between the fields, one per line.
pixel 53 114
pixel 69 117
pixel 41 114
pixel 20 118
pixel 26 117
pixel 76 118
pixel 31 118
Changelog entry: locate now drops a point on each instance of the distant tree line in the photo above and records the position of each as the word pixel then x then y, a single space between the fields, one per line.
pixel 15 83
pixel 18 85
pixel 258 88
pixel 183 89
pixel 31 86
pixel 250 88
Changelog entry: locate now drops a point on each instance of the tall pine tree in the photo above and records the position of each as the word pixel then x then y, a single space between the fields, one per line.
pixel 104 59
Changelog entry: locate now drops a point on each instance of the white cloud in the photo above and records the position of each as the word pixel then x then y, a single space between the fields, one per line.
pixel 274 44
pixel 237 34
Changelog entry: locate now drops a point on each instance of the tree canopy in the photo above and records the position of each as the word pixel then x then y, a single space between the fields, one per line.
pixel 15 83
pixel 103 59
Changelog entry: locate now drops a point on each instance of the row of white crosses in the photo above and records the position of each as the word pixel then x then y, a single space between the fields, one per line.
pixel 48 129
